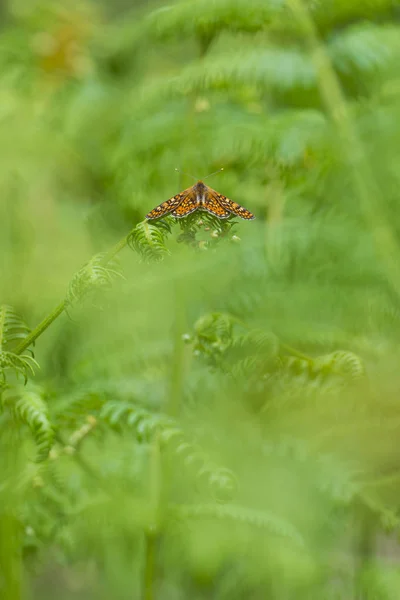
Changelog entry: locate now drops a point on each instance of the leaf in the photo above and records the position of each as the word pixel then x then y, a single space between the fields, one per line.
pixel 30 408
pixel 256 518
pixel 12 330
pixel 148 240
pixel 95 274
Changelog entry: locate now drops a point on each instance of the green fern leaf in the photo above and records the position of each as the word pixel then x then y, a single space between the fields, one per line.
pixel 147 426
pixel 95 274
pixel 200 17
pixel 341 363
pixel 256 518
pixel 148 240
pixel 12 327
pixel 362 49
pixel 213 334
pixel 30 408
pixel 271 68
pixel 12 330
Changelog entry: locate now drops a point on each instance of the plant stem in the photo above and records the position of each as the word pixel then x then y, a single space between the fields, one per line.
pixel 364 546
pixel 39 329
pixel 10 557
pixel 115 250
pixel 152 530
pixel 295 352
pixel 47 321
pixel 150 542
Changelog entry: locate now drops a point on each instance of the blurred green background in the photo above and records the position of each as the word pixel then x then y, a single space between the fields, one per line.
pixel 223 420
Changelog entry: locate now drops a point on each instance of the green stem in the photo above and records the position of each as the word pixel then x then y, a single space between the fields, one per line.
pixel 295 352
pixel 152 530
pixel 86 467
pixel 115 250
pixel 35 333
pixel 2 320
pixel 39 329
pixel 150 551
pixel 10 557
pixel 364 545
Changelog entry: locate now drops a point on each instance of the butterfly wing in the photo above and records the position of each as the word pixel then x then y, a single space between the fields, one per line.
pixel 169 205
pixel 229 206
pixel 213 206
pixel 186 202
pixel 188 205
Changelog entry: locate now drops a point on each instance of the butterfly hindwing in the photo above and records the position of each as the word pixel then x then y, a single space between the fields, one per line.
pixel 230 206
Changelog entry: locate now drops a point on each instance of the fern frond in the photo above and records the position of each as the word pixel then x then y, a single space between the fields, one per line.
pixel 76 407
pixel 213 334
pixel 211 229
pixel 95 274
pixel 148 426
pixel 258 342
pixel 253 357
pixel 22 364
pixel 362 49
pixel 271 68
pixel 237 514
pixel 12 327
pixel 194 19
pixel 326 374
pixel 249 369
pixel 267 68
pixel 202 17
pixel 341 363
pixel 12 330
pixel 341 12
pixel 30 408
pixel 148 240
pixel 294 132
pixel 221 482
pixel 145 423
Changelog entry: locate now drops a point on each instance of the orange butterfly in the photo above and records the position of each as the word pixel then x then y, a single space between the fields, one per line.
pixel 199 197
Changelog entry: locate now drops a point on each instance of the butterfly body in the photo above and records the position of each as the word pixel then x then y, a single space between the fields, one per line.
pixel 199 197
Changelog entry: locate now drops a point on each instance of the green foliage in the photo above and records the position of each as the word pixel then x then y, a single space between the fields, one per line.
pixel 226 424
pixel 148 240
pixel 167 433
pixel 202 18
pixel 29 407
pixel 203 231
pixel 213 334
pixel 13 329
pixel 260 520
pixel 97 273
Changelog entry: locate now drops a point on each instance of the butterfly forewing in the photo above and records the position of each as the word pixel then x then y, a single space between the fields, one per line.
pixel 168 206
pixel 188 205
pixel 230 206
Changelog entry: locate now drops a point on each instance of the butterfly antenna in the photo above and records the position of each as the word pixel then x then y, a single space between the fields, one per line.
pixel 183 173
pixel 215 172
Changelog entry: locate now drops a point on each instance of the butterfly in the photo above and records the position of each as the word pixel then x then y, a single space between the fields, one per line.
pixel 199 197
